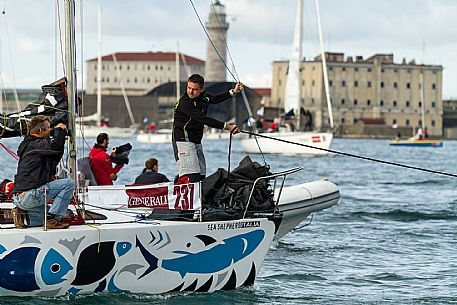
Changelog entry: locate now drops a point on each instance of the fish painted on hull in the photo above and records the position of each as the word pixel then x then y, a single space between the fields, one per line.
pixel 18 269
pixel 212 260
pixel 97 260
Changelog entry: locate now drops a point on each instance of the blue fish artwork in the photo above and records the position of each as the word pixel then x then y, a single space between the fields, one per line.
pixel 54 268
pixel 214 259
pixel 17 270
pixel 217 258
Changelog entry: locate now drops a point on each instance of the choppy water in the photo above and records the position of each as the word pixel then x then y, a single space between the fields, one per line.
pixel 391 240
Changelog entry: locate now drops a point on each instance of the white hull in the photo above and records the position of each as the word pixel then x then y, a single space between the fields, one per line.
pixel 269 146
pixel 154 138
pixel 299 201
pixel 113 132
pixel 165 137
pixel 122 254
pixel 296 203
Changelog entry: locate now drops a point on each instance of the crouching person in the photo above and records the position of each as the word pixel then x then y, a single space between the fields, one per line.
pixel 38 156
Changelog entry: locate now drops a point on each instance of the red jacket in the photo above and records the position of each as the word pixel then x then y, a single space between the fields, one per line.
pixel 102 166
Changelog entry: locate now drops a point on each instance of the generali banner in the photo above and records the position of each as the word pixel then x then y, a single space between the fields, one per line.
pixel 157 196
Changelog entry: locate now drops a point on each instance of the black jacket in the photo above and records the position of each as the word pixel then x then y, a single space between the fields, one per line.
pixel 150 177
pixel 189 116
pixel 38 158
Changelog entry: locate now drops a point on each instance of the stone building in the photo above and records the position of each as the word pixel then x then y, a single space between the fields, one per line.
pixel 365 89
pixel 139 72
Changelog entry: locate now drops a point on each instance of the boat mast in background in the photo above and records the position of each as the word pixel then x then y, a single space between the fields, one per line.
pixel 324 66
pixel 178 81
pixel 98 115
pixel 292 94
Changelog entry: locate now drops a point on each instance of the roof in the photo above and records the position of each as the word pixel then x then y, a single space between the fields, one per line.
pixel 262 91
pixel 147 56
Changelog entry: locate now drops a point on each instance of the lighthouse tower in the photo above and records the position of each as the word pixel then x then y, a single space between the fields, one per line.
pixel 217 27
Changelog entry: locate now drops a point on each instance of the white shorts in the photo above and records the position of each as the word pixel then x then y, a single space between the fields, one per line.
pixel 191 159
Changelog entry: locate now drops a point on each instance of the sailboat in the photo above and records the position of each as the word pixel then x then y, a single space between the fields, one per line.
pixel 292 102
pixel 134 250
pixel 91 131
pixel 421 138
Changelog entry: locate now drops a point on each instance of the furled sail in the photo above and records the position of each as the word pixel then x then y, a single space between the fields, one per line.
pixel 52 102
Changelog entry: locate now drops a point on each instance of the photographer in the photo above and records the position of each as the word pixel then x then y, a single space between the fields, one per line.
pixel 100 162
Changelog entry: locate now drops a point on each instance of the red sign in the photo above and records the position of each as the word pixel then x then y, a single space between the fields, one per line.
pixel 316 139
pixel 156 197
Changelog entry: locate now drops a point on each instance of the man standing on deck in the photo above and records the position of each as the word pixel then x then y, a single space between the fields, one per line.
pixel 189 119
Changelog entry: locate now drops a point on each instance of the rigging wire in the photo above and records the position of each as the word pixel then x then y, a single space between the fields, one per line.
pixel 209 38
pixel 246 104
pixel 354 156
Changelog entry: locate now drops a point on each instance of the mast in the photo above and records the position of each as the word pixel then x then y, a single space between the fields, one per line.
pixel 422 94
pixel 99 68
pixel 70 71
pixel 124 93
pixel 292 94
pixel 178 80
pixel 324 66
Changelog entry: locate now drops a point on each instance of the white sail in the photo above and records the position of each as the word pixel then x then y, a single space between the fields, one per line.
pixel 292 94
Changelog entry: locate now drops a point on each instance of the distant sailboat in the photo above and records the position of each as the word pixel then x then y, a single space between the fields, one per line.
pixel 292 102
pixel 421 138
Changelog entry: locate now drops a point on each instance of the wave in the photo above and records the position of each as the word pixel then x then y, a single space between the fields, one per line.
pixel 295 277
pixel 407 216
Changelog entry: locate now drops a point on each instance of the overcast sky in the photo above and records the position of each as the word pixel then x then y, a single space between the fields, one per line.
pixel 260 32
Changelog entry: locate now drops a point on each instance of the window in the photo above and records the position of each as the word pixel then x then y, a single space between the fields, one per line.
pixel 382 70
pixel 369 84
pixel 395 70
pixel 381 103
pixel 434 86
pixel 395 103
pixel 433 105
pixel 136 80
pixel 356 83
pixel 394 121
pixel 407 103
pixel 330 83
pixel 344 69
pixel 330 68
pixel 433 122
pixel 419 104
pixel 407 122
pixel 312 101
pixel 355 102
pixel 395 85
pixel 279 82
pixel 342 120
pixel 312 83
pixel 343 83
pixel 303 83
pixel 419 123
pixel 382 84
pixel 369 69
pixel 368 102
pixel 356 69
pixel 408 85
pixel 128 67
pixel 342 101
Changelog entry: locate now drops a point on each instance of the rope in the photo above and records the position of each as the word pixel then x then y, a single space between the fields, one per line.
pixel 209 38
pixel 354 156
pixel 12 153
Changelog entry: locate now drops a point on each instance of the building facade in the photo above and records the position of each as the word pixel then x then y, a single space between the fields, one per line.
pixel 372 88
pixel 139 73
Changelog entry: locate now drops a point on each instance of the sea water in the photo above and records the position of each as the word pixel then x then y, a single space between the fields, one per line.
pixel 392 239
